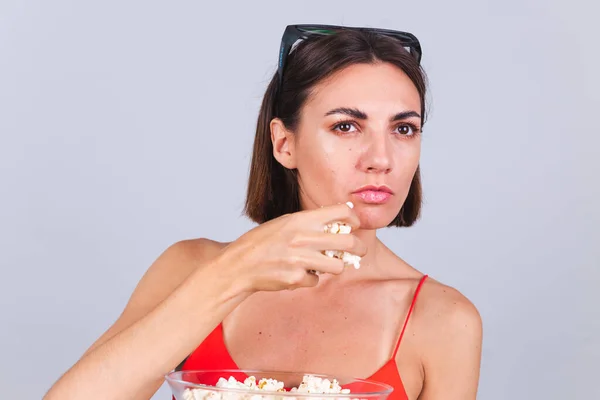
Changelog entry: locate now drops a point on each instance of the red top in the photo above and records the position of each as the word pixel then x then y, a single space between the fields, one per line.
pixel 212 354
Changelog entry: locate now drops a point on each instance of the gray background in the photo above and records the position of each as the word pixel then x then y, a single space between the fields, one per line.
pixel 127 126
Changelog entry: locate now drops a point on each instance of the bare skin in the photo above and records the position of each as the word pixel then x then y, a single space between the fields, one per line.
pixel 345 322
pixel 349 324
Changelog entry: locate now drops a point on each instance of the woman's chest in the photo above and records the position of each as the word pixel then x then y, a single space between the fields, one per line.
pixel 341 336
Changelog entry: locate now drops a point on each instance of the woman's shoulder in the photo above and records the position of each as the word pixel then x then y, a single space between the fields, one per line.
pixel 174 265
pixel 446 320
pixel 446 334
pixel 197 248
pixel 446 302
pixel 185 256
pixel 437 304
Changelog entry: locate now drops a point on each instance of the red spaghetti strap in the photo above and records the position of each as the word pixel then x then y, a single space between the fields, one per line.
pixel 412 305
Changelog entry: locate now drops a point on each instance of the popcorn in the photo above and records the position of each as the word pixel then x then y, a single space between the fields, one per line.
pixel 315 384
pixel 310 384
pixel 339 228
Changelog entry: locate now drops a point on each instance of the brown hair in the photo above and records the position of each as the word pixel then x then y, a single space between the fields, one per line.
pixel 273 190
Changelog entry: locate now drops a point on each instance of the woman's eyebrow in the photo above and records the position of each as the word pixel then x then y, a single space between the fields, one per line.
pixel 358 114
pixel 404 115
pixel 352 112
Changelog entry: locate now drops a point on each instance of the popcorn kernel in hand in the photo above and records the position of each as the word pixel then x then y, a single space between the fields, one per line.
pixel 348 258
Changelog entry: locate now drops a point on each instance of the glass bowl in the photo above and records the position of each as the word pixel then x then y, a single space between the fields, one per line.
pixel 201 385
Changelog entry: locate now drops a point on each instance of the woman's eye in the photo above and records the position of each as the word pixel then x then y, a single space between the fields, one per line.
pixel 345 127
pixel 406 130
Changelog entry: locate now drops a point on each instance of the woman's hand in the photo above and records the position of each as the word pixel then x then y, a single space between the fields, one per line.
pixel 280 254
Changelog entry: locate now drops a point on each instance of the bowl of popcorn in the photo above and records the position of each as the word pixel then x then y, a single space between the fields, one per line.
pixel 264 385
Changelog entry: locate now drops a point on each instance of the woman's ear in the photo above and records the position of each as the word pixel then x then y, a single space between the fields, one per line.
pixel 283 144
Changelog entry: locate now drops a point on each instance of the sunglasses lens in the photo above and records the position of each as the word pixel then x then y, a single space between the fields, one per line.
pixel 321 31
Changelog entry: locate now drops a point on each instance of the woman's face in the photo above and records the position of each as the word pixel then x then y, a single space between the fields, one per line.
pixel 359 140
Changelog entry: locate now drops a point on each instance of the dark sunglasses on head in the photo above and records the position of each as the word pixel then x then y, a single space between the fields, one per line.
pixel 293 33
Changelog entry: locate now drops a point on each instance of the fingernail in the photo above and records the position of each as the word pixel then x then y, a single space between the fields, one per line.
pixel 349 204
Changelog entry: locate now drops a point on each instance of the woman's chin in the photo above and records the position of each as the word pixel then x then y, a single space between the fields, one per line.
pixel 373 218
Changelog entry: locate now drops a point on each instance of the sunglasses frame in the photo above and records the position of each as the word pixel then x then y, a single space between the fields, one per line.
pixel 293 33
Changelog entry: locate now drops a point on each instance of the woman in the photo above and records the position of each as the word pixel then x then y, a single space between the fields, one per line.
pixel 340 122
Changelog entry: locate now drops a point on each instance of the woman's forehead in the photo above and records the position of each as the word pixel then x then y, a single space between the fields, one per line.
pixel 378 88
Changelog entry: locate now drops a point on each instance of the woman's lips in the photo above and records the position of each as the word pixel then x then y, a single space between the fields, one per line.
pixel 373 194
